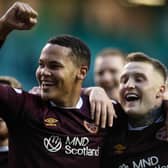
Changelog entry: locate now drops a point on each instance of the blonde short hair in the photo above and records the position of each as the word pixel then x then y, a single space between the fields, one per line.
pixel 11 81
pixel 141 57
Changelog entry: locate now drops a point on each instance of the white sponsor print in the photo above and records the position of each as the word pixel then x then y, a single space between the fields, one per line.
pixel 72 146
pixel 152 161
pixel 53 143
pixel 80 146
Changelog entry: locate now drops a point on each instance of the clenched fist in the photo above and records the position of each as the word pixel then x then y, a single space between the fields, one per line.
pixel 20 16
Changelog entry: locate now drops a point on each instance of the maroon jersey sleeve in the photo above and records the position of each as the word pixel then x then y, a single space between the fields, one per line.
pixel 11 101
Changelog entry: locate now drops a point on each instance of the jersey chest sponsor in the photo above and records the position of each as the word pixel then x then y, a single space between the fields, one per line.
pixel 80 146
pixel 152 161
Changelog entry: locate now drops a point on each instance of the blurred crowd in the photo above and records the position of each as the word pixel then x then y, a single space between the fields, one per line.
pixel 100 23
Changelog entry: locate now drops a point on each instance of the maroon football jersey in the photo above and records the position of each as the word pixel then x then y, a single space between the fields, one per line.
pixel 137 148
pixel 3 159
pixel 42 135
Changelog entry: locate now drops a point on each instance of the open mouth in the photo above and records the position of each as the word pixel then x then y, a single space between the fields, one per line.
pixel 131 97
pixel 47 84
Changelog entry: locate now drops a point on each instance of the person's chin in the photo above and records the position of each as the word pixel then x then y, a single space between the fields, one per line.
pixel 129 109
pixel 45 96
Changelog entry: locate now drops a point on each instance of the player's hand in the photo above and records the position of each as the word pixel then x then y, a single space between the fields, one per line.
pixel 35 90
pixel 102 110
pixel 20 16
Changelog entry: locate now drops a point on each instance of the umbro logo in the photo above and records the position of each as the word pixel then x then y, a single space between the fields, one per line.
pixel 162 134
pixel 119 149
pixel 50 122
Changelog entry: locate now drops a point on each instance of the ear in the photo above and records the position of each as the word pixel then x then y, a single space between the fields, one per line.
pixel 161 91
pixel 82 72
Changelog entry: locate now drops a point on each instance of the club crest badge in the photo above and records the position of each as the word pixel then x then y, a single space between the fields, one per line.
pixel 162 134
pixel 91 127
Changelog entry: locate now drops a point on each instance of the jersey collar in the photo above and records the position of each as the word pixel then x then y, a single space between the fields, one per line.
pixel 78 105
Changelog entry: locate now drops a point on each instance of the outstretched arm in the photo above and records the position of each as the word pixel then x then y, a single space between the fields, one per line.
pixel 102 110
pixel 20 16
pixel 35 90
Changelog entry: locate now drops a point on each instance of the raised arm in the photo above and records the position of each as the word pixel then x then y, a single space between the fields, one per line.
pixel 20 16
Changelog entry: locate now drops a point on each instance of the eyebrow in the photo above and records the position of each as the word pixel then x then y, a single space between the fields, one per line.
pixel 136 74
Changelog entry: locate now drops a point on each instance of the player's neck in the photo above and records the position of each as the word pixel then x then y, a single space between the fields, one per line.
pixel 70 99
pixel 146 120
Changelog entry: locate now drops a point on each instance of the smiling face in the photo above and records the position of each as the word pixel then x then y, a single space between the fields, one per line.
pixel 107 71
pixel 141 88
pixel 56 73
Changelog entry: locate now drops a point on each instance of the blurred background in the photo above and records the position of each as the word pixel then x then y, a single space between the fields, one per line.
pixel 129 25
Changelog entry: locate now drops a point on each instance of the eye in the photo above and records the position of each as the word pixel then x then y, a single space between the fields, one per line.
pixel 113 71
pixel 123 79
pixel 100 73
pixel 55 66
pixel 139 79
pixel 40 64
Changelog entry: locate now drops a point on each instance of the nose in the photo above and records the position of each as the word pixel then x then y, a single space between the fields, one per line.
pixel 107 77
pixel 45 71
pixel 130 84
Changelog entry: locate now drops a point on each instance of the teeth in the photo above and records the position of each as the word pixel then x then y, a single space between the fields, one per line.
pixel 131 97
pixel 45 83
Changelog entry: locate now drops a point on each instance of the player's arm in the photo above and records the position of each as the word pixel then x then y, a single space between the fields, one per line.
pixel 20 16
pixel 35 90
pixel 102 110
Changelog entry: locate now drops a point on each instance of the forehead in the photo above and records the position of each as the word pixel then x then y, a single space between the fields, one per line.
pixel 138 67
pixel 54 50
pixel 109 62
